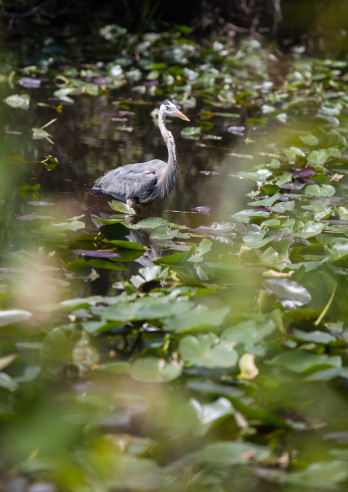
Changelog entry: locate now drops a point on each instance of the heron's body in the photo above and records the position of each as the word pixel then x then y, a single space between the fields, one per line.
pixel 144 182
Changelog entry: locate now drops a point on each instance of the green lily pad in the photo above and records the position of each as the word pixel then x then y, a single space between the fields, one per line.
pixel 121 207
pixel 302 361
pixel 155 370
pixel 196 319
pixel 289 292
pixel 207 350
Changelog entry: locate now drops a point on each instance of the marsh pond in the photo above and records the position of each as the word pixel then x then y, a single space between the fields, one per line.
pixel 200 346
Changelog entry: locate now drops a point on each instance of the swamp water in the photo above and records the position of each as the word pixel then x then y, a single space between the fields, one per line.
pixel 204 348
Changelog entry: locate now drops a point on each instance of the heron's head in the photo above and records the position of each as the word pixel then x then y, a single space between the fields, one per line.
pixel 169 109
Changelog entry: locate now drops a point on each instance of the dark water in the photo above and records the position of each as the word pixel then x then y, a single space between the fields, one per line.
pixel 88 140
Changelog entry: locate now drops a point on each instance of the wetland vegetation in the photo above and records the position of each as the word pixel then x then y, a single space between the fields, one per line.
pixel 201 346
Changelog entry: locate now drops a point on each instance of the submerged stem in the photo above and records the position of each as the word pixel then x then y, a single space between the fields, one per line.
pixel 327 307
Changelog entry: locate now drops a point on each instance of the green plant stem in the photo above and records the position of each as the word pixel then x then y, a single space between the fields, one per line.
pixel 327 307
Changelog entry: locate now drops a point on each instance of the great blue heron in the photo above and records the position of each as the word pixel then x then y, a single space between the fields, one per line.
pixel 144 182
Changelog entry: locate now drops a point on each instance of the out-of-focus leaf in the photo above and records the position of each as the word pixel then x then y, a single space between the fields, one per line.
pixel 96 254
pixel 29 82
pixel 6 360
pixel 301 361
pixel 121 207
pixel 315 190
pixel 10 316
pixel 20 101
pixel 127 245
pixel 155 370
pixel 318 157
pixel 227 453
pixel 309 139
pixel 206 350
pixel 191 132
pixel 50 162
pixel 55 351
pixel 7 382
pixel 196 319
pixel 290 293
pixel 320 475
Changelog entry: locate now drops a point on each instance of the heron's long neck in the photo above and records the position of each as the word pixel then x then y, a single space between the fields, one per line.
pixel 169 140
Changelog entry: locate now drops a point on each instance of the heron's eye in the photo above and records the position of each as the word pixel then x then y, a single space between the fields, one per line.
pixel 167 107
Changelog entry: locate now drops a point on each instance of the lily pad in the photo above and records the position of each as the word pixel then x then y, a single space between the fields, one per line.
pixel 20 101
pixel 207 350
pixel 11 316
pixel 155 370
pixel 290 293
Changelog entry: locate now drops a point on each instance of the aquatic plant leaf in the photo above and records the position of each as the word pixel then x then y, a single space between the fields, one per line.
pixel 109 265
pixel 216 229
pixel 63 227
pixel 302 361
pixel 7 382
pixel 315 190
pixel 29 82
pixel 236 130
pixel 196 319
pixel 245 216
pixel 191 132
pixel 28 192
pixel 204 209
pixel 20 101
pixel 248 332
pixel 40 204
pixel 320 475
pixel 150 223
pixel 227 453
pixel 314 336
pixel 311 229
pixel 55 351
pixel 290 293
pixel 6 360
pixel 155 370
pixel 10 316
pixel 147 308
pixel 294 152
pixel 209 173
pixel 309 139
pixel 318 157
pixel 203 247
pixel 96 254
pixel 206 350
pixel 176 258
pixel 209 414
pixel 39 134
pixel 259 176
pixel 50 162
pixel 121 207
pixel 127 245
pixel 162 233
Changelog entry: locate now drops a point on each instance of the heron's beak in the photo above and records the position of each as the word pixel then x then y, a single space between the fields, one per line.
pixel 179 114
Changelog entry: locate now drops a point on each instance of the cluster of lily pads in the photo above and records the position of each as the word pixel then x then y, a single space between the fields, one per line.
pixel 222 360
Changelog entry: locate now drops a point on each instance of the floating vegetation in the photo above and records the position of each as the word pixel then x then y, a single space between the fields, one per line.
pixel 142 353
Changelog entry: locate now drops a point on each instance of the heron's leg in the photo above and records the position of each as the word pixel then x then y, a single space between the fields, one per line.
pixel 131 202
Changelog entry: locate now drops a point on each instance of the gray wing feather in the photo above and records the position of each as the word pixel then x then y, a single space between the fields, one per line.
pixel 130 181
